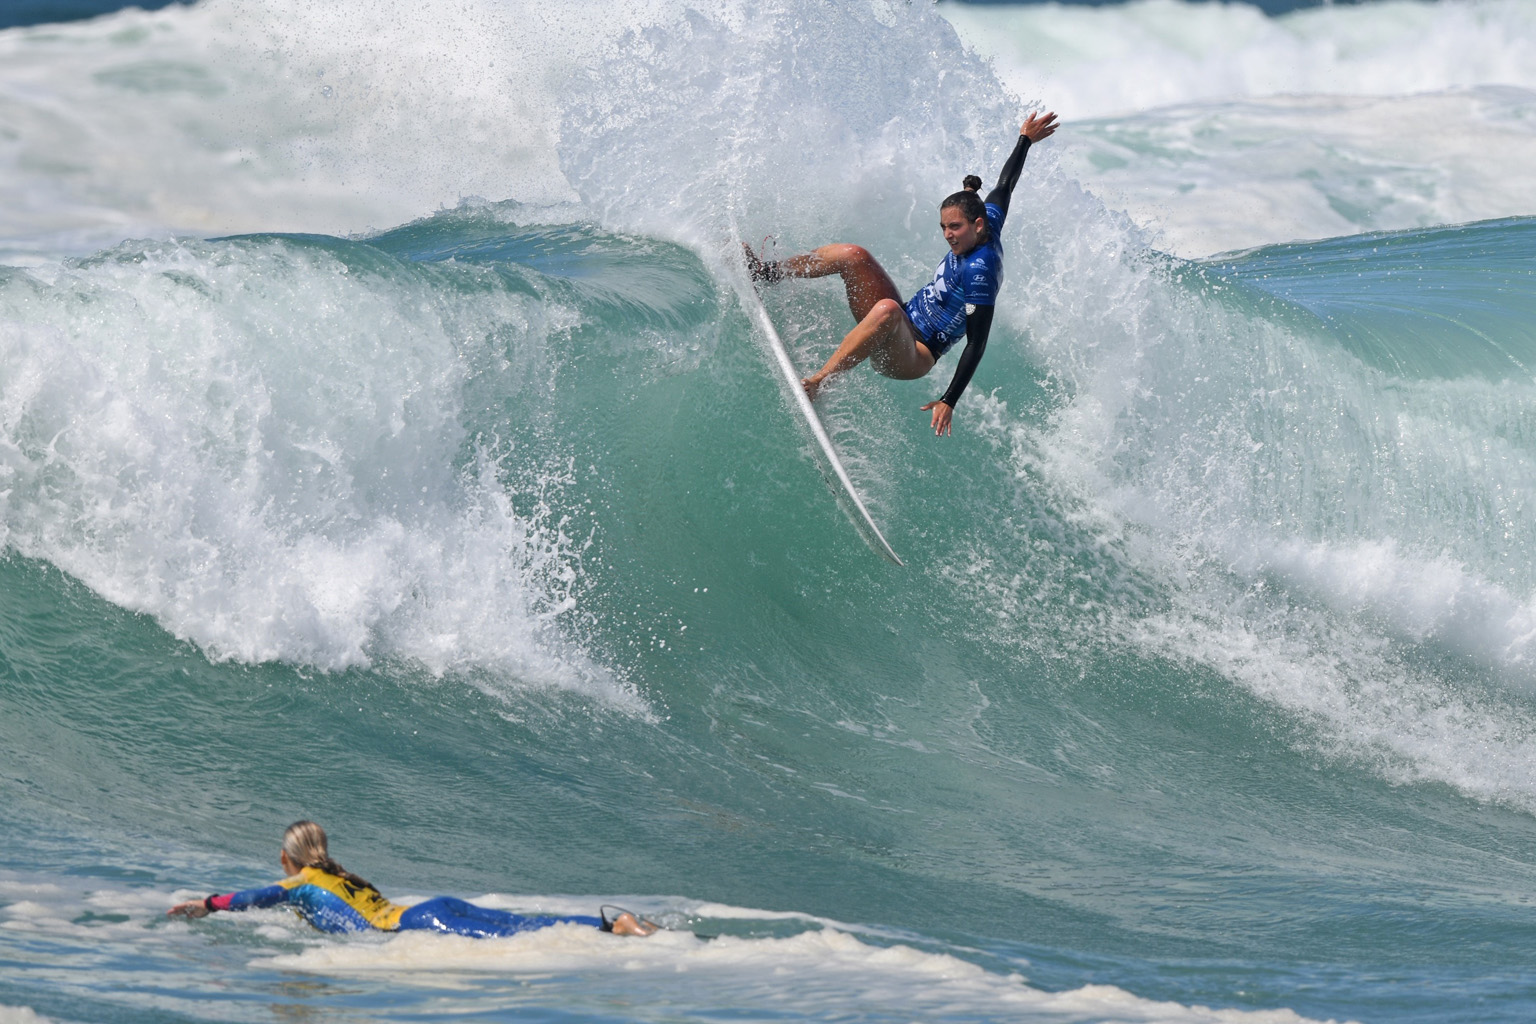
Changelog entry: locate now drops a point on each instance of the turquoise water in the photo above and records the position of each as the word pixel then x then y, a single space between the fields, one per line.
pixel 489 541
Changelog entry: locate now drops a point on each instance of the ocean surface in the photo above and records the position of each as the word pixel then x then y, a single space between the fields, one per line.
pixel 43 12
pixel 381 442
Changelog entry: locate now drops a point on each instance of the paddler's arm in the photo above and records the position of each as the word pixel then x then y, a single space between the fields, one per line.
pixel 978 324
pixel 266 896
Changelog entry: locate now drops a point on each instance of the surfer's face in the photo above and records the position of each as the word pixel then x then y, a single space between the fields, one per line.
pixel 961 234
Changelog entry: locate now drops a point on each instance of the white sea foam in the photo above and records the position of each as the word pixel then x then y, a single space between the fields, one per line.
pixel 1220 128
pixel 823 969
pixel 174 434
pixel 241 115
pixel 818 973
pixel 1364 703
pixel 1223 176
pixel 21 1015
pixel 1115 60
pixel 1419 597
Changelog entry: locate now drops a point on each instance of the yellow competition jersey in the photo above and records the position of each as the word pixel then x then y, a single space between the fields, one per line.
pixel 322 891
pixel 327 901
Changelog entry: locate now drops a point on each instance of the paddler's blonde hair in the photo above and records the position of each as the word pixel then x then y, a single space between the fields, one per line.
pixel 305 844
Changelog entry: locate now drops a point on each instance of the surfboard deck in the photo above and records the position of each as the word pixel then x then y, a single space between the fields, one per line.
pixel 832 466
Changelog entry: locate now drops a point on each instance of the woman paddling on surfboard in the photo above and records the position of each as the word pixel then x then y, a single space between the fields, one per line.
pixel 333 899
pixel 905 341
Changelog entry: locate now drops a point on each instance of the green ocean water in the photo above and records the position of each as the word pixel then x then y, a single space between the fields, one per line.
pixel 489 541
pixel 1007 753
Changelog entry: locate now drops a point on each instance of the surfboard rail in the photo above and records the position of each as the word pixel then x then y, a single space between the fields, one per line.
pixel 853 504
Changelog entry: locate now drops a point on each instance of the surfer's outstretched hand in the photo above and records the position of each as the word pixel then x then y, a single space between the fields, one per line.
pixel 1038 126
pixel 942 413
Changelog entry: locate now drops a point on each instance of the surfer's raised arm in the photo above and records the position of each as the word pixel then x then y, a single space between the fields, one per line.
pixel 905 340
pixel 1036 127
pixel 980 295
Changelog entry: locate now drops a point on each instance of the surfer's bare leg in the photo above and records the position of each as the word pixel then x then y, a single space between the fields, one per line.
pixel 883 335
pixel 864 279
pixel 886 338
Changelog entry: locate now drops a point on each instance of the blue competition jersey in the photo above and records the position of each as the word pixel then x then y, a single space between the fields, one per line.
pixel 938 310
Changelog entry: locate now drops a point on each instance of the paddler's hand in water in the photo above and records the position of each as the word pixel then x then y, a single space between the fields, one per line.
pixel 191 908
pixel 942 412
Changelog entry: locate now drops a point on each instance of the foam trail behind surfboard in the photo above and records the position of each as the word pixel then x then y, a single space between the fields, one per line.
pixel 852 504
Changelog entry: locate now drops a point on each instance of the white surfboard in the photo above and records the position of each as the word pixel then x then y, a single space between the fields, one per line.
pixel 832 466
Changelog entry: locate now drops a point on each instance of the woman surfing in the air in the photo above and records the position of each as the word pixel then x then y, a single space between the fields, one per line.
pixel 904 341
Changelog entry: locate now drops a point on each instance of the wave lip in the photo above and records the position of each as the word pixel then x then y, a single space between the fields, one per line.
pixel 264 444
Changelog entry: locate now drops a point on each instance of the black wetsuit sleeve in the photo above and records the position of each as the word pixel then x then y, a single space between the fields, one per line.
pixel 1012 168
pixel 978 324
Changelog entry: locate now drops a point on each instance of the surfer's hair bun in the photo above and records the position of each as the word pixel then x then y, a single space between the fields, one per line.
pixel 972 183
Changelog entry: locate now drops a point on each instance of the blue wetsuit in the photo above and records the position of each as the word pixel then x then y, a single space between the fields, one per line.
pixel 335 904
pixel 446 914
pixel 961 297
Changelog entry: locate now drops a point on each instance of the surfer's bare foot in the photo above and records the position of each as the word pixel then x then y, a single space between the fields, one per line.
pixel 812 387
pixel 767 271
pixel 628 924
